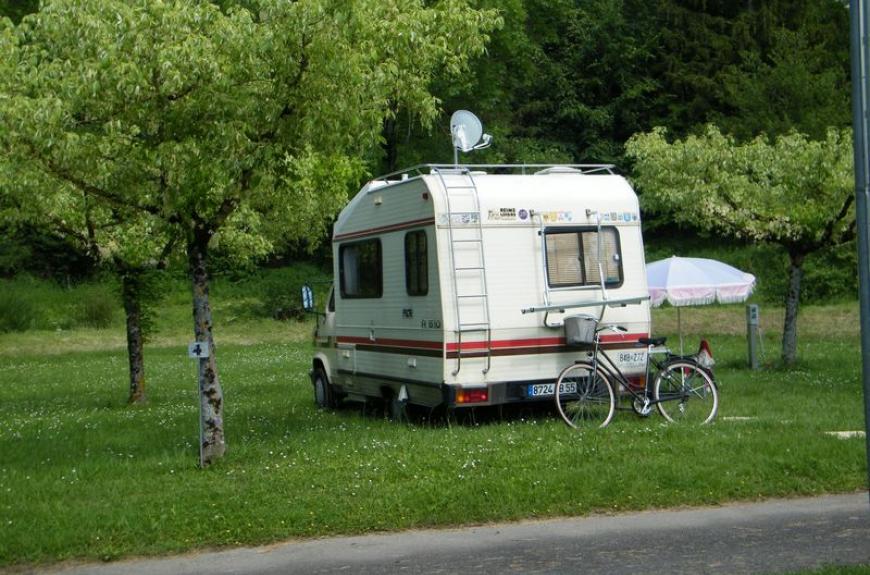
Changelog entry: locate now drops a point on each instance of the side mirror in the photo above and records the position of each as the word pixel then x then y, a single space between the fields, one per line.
pixel 307 298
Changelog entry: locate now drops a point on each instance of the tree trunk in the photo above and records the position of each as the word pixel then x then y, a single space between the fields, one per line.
pixel 211 398
pixel 390 133
pixel 792 303
pixel 130 294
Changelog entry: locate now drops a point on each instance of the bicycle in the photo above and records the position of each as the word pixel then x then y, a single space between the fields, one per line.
pixel 584 391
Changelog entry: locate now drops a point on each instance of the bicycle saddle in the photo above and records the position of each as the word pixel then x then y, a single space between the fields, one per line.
pixel 655 341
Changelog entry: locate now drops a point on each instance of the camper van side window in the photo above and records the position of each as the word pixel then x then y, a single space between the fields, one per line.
pixel 361 269
pixel 573 257
pixel 416 263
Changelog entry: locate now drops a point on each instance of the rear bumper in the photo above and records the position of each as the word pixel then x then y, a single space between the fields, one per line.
pixel 497 393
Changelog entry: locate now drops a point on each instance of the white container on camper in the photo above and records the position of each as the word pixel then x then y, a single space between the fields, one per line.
pixel 451 284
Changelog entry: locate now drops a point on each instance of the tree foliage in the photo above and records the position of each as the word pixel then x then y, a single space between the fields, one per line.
pixel 17 9
pixel 141 122
pixel 792 191
pixel 582 77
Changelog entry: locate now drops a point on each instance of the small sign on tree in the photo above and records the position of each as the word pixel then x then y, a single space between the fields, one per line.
pixel 198 349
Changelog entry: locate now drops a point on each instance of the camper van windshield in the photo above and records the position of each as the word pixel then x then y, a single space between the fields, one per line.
pixel 573 257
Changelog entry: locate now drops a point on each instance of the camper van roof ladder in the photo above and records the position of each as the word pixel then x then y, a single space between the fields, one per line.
pixel 465 238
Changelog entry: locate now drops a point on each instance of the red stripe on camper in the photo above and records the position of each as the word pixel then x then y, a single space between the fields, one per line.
pixel 539 342
pixel 384 229
pixel 509 343
pixel 497 347
pixel 622 337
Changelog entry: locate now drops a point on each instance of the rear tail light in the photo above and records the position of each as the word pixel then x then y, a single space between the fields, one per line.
pixel 464 396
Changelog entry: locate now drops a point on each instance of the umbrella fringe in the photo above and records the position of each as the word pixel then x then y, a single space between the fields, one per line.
pixel 680 302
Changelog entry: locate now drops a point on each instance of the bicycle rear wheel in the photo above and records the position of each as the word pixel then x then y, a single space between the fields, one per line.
pixel 584 397
pixel 684 392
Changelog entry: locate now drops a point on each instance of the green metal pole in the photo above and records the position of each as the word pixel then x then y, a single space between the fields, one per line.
pixel 860 47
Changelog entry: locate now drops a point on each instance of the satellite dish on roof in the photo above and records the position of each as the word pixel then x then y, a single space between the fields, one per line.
pixel 467 133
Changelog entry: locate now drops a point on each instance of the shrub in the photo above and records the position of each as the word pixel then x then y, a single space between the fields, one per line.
pixel 97 304
pixel 19 310
pixel 281 290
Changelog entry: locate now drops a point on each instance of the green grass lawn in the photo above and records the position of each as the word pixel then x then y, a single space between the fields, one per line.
pixel 84 476
pixel 836 570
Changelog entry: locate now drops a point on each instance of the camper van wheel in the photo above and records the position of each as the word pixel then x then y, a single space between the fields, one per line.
pixel 323 394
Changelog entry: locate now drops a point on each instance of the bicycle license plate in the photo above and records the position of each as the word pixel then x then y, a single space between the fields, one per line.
pixel 631 359
pixel 544 389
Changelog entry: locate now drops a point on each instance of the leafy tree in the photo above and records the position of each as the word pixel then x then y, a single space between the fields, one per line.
pixel 579 78
pixel 742 64
pixel 492 88
pixel 793 192
pixel 423 56
pixel 595 88
pixel 510 88
pixel 797 80
pixel 17 9
pixel 229 127
pixel 54 183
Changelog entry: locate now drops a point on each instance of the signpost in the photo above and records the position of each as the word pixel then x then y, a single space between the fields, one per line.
pixel 860 43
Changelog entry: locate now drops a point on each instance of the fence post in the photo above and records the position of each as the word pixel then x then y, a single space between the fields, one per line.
pixel 752 334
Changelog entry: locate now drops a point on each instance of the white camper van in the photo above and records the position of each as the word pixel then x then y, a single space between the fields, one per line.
pixel 451 284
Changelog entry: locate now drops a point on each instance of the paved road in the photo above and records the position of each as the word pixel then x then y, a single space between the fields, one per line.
pixel 768 537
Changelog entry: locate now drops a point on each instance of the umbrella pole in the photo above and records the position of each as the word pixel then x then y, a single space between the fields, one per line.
pixel 680 329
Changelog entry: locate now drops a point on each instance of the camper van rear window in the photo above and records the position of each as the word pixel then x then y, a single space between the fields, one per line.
pixel 573 256
pixel 416 263
pixel 361 269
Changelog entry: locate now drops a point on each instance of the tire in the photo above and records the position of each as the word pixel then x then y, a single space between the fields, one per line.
pixel 593 403
pixel 685 392
pixel 324 396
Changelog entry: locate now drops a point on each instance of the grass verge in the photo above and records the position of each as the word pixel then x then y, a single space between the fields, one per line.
pixel 84 476
pixel 836 570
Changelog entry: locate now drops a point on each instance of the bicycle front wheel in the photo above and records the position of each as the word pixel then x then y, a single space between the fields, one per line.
pixel 584 397
pixel 684 392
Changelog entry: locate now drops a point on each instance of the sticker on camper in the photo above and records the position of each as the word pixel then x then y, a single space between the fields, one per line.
pixel 459 218
pixel 503 214
pixel 558 216
pixel 620 217
pixel 523 214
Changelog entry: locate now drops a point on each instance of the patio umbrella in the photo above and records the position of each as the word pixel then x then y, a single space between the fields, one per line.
pixel 696 281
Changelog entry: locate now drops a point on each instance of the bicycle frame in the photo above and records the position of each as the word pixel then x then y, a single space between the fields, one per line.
pixel 669 378
pixel 646 397
pixel 612 370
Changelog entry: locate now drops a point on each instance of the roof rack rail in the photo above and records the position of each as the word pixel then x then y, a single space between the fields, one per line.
pixel 522 169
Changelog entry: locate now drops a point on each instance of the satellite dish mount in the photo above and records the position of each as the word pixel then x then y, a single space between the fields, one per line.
pixel 467 133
